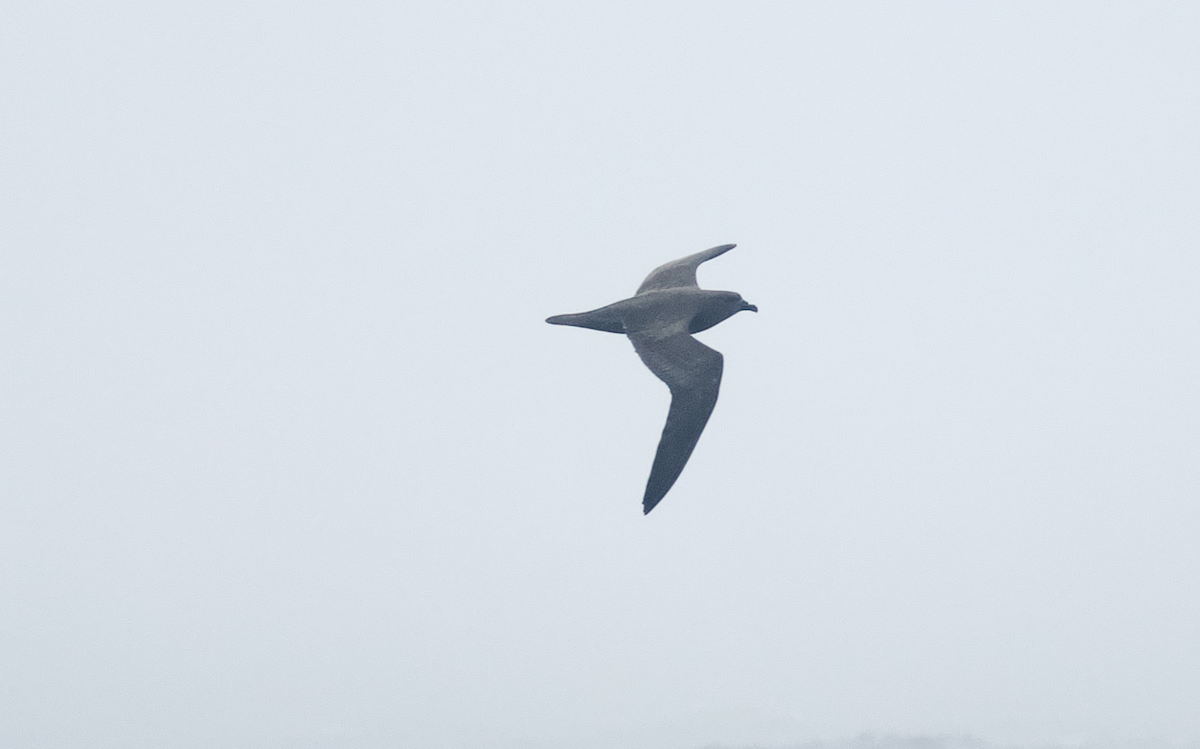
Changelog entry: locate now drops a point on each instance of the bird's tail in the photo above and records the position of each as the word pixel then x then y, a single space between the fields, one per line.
pixel 605 319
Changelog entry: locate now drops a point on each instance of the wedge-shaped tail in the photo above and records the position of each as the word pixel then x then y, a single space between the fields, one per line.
pixel 605 318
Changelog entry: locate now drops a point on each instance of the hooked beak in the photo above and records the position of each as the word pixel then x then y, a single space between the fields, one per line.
pixel 749 306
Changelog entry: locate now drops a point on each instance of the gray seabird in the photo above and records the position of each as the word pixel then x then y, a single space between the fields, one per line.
pixel 659 319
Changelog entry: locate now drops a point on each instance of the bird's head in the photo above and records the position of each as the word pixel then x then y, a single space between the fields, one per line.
pixel 733 304
pixel 718 306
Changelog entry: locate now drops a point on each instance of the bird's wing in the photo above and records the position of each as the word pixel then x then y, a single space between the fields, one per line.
pixel 693 373
pixel 681 272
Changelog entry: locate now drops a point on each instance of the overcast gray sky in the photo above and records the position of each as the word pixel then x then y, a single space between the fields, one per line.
pixel 291 460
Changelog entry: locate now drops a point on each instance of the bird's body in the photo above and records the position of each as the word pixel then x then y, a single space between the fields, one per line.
pixel 697 309
pixel 659 320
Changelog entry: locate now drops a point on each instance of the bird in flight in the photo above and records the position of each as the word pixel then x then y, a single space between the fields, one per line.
pixel 659 319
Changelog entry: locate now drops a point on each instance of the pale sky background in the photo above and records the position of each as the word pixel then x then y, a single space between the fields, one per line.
pixel 289 458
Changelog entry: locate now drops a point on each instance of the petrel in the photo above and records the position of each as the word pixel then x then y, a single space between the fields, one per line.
pixel 659 319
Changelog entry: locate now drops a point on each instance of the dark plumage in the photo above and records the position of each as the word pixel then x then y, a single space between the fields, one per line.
pixel 659 320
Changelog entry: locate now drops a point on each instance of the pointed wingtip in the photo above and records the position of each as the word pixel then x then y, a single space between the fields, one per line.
pixel 717 251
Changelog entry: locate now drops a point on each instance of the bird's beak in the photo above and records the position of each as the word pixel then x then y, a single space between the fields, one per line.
pixel 749 306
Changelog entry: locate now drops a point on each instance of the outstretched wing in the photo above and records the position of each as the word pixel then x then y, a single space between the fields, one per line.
pixel 681 272
pixel 693 373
